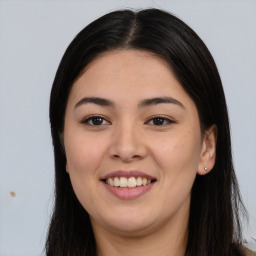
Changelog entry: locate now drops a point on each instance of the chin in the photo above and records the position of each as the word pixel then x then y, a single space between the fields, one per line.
pixel 132 229
pixel 132 223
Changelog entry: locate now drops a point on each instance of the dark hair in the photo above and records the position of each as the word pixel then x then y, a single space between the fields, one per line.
pixel 214 225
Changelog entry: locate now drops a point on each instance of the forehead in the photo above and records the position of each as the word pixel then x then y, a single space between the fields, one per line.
pixel 127 57
pixel 132 64
pixel 134 74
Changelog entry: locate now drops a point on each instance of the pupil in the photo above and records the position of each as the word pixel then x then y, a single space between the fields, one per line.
pixel 97 120
pixel 158 121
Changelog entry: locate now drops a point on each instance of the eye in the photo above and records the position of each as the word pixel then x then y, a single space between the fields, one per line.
pixel 160 121
pixel 95 121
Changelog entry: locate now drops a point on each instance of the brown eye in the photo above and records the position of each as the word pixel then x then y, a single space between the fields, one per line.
pixel 160 121
pixel 96 121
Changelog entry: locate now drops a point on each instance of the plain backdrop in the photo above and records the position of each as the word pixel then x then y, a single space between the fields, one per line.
pixel 33 38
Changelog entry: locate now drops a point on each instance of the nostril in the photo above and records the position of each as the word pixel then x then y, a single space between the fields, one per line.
pixel 127 158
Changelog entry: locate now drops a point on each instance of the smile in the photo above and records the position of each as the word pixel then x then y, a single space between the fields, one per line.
pixel 128 185
pixel 131 182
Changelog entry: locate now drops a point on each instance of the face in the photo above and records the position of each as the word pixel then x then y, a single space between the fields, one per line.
pixel 133 143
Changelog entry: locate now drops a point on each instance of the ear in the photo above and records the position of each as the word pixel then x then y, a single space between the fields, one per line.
pixel 67 167
pixel 208 153
pixel 61 138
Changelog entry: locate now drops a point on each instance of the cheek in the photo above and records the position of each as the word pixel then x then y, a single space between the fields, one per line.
pixel 178 161
pixel 82 152
pixel 83 159
pixel 180 151
pixel 178 157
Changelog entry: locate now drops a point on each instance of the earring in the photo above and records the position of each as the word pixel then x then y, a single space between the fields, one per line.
pixel 205 168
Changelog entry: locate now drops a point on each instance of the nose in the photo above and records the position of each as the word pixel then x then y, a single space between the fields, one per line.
pixel 128 143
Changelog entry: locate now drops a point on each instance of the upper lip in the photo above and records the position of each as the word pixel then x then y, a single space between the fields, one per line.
pixel 127 174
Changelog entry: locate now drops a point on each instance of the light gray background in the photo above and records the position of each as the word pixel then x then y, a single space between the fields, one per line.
pixel 33 37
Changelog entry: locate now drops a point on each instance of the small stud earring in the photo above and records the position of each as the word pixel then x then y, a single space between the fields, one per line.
pixel 205 168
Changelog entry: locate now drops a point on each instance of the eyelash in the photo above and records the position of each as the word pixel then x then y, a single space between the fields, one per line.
pixel 164 121
pixel 91 118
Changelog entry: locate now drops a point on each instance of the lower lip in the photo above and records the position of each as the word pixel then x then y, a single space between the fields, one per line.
pixel 129 193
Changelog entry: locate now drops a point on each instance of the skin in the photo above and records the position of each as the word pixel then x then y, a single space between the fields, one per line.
pixel 127 138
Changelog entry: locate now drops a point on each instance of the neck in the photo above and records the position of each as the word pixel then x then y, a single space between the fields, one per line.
pixel 170 239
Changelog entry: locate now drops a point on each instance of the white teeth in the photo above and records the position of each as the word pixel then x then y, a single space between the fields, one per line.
pixel 116 182
pixel 123 182
pixel 110 181
pixel 139 181
pixel 131 182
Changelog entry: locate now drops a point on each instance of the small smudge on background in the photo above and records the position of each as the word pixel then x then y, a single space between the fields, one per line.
pixel 13 194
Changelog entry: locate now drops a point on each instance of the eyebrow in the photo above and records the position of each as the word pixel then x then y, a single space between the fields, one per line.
pixel 95 100
pixel 160 100
pixel 144 103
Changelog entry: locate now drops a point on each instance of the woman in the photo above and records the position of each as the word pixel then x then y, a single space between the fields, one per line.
pixel 142 144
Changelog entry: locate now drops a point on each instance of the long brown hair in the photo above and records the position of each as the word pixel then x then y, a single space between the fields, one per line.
pixel 214 222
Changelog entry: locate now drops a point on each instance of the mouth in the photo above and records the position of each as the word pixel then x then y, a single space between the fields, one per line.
pixel 128 184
